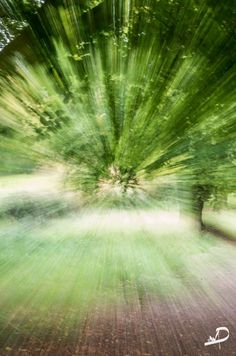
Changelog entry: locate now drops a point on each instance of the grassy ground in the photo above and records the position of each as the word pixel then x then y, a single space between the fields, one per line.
pixel 44 182
pixel 55 270
pixel 53 273
pixel 224 220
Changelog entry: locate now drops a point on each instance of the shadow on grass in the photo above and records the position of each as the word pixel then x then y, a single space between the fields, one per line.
pixel 20 206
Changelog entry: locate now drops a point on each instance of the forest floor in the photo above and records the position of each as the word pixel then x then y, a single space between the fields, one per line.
pixel 157 327
pixel 114 282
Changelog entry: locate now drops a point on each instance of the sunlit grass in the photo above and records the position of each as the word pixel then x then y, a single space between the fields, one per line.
pixel 68 266
pixel 38 182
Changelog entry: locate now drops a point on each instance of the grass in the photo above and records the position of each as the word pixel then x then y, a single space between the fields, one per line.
pixel 21 206
pixel 33 184
pixel 53 273
pixel 224 220
pixel 58 263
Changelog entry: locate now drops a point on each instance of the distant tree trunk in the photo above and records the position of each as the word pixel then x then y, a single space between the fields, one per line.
pixel 198 210
pixel 200 194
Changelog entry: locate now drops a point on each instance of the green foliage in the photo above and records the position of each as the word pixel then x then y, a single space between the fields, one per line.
pixel 134 86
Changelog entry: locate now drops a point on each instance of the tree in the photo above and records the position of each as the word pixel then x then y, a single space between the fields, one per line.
pixel 128 93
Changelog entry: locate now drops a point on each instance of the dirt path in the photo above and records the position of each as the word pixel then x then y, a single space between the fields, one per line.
pixel 172 326
pixel 160 328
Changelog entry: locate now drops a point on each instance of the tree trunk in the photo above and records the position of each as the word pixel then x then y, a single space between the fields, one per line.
pixel 199 205
pixel 200 193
